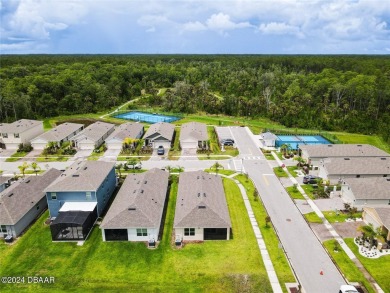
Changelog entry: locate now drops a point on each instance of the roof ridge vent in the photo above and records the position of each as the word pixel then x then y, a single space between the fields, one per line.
pixel 201 207
pixel 11 194
pixel 76 175
pixel 131 209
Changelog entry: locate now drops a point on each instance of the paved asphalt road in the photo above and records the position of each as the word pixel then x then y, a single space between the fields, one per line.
pixel 305 252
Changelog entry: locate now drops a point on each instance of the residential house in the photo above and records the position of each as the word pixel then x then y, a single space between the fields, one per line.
pixel 362 192
pixel 127 130
pixel 193 135
pixel 160 134
pixel 21 131
pixel 268 139
pixel 314 154
pixel 4 182
pixel 379 218
pixel 201 208
pixel 78 197
pixel 93 136
pixel 338 169
pixel 23 202
pixel 58 135
pixel 137 210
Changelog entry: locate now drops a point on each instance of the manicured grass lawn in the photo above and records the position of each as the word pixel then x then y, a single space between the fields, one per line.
pixel 294 192
pixel 212 266
pixel 271 240
pixel 332 217
pixel 280 172
pixel 347 266
pixel 363 139
pixel 269 156
pixel 52 158
pixel 378 268
pixel 313 218
pixel 16 156
pixel 224 172
pixel 142 157
pixel 175 152
pixel 292 170
pixel 309 188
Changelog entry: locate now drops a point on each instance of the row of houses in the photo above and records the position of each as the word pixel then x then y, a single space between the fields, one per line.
pixel 193 134
pixel 363 172
pixel 77 197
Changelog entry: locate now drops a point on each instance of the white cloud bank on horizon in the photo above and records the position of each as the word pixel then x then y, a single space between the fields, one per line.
pixel 210 27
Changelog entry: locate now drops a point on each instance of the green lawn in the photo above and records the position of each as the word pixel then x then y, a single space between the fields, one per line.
pixel 269 156
pixel 175 152
pixel 292 170
pixel 313 218
pixel 221 171
pixel 16 156
pixel 52 158
pixel 280 172
pixel 347 266
pixel 309 188
pixel 271 240
pixel 294 192
pixel 332 217
pixel 363 139
pixel 378 268
pixel 212 266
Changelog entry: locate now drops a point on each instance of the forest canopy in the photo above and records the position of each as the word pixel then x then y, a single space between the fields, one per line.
pixel 343 93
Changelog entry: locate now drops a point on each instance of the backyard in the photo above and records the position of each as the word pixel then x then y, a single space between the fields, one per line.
pixel 215 266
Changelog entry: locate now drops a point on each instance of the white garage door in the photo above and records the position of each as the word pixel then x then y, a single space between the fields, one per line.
pixel 86 146
pixel 189 145
pixel 165 144
pixel 114 146
pixel 39 146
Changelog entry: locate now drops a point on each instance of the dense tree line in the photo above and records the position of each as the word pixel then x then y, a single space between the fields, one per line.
pixel 349 93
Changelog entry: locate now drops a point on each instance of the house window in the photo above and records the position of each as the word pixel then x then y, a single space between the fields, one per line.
pixel 88 195
pixel 189 231
pixel 5 135
pixel 3 229
pixel 142 232
pixel 16 135
pixel 37 206
pixel 54 196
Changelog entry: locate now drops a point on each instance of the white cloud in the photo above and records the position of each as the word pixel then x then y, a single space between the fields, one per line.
pixel 194 26
pixel 280 28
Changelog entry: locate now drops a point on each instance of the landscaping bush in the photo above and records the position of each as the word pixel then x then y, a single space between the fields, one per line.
pixel 25 148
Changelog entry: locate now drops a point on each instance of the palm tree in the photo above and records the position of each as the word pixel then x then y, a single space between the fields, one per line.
pixel 23 168
pixel 369 232
pixel 216 167
pixel 35 167
pixel 180 169
pixel 168 168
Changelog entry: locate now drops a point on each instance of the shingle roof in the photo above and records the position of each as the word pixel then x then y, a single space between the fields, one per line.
pixel 4 179
pixel 166 130
pixel 343 150
pixel 94 131
pixel 369 188
pixel 60 132
pixel 19 126
pixel 193 131
pixel 201 202
pixel 21 196
pixel 384 215
pixel 140 201
pixel 268 135
pixel 82 176
pixel 126 130
pixel 358 165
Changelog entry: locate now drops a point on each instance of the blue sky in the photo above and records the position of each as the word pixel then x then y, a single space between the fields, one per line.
pixel 195 27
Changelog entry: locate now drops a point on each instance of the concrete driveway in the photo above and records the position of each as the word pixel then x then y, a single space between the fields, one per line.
pixel 4 154
pixel 188 154
pixel 110 155
pixel 82 154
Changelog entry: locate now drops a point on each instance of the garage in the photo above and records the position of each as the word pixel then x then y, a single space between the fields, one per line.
pixel 215 233
pixel 116 234
pixel 114 145
pixel 165 144
pixel 189 144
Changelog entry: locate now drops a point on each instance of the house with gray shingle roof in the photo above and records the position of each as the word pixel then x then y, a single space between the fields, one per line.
pixel 379 218
pixel 23 202
pixel 361 192
pixel 93 136
pixel 137 210
pixel 314 154
pixel 193 135
pixel 201 208
pixel 127 130
pixel 21 131
pixel 78 197
pixel 338 169
pixel 160 133
pixel 59 134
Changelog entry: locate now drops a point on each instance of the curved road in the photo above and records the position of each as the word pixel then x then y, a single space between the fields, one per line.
pixel 302 247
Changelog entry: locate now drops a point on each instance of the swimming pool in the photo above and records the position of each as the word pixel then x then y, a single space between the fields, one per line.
pixel 295 140
pixel 147 117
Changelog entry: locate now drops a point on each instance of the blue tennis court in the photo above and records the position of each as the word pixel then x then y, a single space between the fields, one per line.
pixel 147 117
pixel 295 140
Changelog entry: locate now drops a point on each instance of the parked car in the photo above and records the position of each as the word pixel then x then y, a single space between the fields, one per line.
pixel 348 289
pixel 160 150
pixel 310 179
pixel 227 142
pixel 136 166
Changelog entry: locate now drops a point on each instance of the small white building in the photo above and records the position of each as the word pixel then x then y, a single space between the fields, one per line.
pixel 193 135
pixel 201 208
pixel 137 211
pixel 268 139
pixel 362 192
pixel 93 136
pixel 338 169
pixel 160 134
pixel 59 134
pixel 123 131
pixel 21 131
